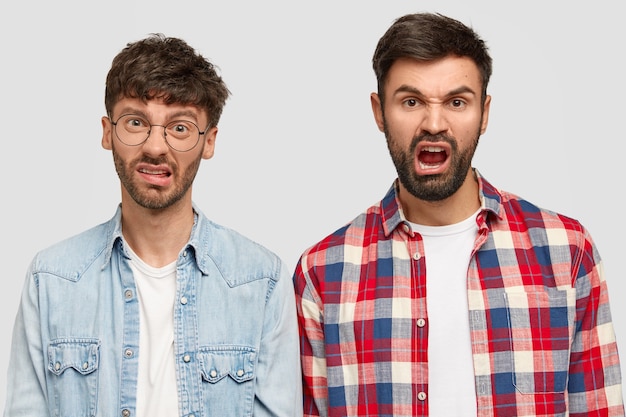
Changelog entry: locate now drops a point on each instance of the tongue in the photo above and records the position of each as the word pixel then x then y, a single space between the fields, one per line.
pixel 432 158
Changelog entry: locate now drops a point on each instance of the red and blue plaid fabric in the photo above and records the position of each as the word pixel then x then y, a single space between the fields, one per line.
pixel 542 339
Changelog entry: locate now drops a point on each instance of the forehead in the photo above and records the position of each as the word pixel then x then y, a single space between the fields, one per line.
pixel 434 78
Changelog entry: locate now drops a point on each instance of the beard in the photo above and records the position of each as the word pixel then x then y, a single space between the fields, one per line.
pixel 153 198
pixel 431 187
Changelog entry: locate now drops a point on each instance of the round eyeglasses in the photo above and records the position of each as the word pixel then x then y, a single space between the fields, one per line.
pixel 180 135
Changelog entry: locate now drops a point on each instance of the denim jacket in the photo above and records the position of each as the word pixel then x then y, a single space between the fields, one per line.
pixel 75 349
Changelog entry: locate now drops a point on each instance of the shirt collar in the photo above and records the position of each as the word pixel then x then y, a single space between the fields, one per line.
pixel 391 209
pixel 195 244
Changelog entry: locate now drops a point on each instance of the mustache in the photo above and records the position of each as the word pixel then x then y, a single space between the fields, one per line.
pixel 427 137
pixel 152 161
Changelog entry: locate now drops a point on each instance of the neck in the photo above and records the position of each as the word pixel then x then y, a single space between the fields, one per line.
pixel 458 207
pixel 157 236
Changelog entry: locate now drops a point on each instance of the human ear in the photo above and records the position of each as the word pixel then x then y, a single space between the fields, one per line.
pixel 377 109
pixel 485 115
pixel 107 128
pixel 209 143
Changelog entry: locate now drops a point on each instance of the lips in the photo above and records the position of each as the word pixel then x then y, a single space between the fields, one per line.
pixel 154 171
pixel 159 176
pixel 431 158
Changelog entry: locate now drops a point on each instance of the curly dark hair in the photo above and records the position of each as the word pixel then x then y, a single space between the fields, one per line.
pixel 169 69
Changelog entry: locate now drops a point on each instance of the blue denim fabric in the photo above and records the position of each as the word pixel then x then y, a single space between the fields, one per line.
pixel 75 348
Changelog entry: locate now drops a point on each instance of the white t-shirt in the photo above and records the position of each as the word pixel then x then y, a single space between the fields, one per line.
pixel 156 383
pixel 451 388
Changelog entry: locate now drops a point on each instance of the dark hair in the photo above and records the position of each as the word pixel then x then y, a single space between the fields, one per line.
pixel 166 68
pixel 427 37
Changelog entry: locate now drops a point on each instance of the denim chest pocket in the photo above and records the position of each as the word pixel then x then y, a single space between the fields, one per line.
pixel 73 365
pixel 541 326
pixel 228 375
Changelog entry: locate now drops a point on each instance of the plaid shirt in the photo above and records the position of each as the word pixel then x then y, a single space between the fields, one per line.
pixel 542 339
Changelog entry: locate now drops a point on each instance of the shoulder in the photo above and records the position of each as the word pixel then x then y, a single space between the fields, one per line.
pixel 519 220
pixel 533 216
pixel 510 211
pixel 71 257
pixel 354 235
pixel 235 255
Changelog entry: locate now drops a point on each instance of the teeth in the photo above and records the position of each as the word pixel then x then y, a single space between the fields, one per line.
pixel 146 171
pixel 428 166
pixel 433 149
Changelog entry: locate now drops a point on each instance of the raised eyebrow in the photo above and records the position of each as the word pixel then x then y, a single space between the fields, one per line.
pixel 183 113
pixel 126 111
pixel 172 117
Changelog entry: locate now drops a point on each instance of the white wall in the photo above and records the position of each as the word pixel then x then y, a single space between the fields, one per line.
pixel 298 153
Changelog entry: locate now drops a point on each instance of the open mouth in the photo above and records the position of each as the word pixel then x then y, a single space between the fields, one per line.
pixel 431 157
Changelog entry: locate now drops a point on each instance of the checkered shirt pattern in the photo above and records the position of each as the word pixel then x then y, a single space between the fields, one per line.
pixel 543 342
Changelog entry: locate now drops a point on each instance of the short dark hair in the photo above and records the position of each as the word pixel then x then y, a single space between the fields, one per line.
pixel 166 68
pixel 428 37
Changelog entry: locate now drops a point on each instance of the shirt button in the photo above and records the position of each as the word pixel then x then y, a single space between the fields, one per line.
pixel 183 300
pixel 240 373
pixel 128 294
pixel 186 358
pixel 406 228
pixel 421 396
pixel 128 353
pixel 416 256
pixel 85 365
pixel 213 373
pixel 57 366
pixel 185 254
pixel 420 322
pixel 125 413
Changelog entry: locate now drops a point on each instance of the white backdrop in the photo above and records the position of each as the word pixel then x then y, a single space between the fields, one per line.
pixel 298 153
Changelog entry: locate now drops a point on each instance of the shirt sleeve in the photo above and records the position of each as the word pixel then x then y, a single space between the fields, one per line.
pixel 26 383
pixel 595 386
pixel 278 390
pixel 310 322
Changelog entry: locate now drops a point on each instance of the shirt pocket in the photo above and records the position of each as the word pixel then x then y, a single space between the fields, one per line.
pixel 228 379
pixel 541 325
pixel 73 365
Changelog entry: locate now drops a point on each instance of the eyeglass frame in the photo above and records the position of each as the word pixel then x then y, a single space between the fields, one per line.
pixel 200 133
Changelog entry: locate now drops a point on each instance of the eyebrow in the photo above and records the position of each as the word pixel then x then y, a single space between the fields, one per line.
pixel 404 88
pixel 180 113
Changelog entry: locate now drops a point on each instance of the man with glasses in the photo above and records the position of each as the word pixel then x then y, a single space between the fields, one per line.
pixel 157 312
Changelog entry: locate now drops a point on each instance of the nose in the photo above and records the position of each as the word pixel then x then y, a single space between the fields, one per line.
pixel 434 121
pixel 156 143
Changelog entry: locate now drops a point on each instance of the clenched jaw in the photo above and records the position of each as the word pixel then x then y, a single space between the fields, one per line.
pixel 156 175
